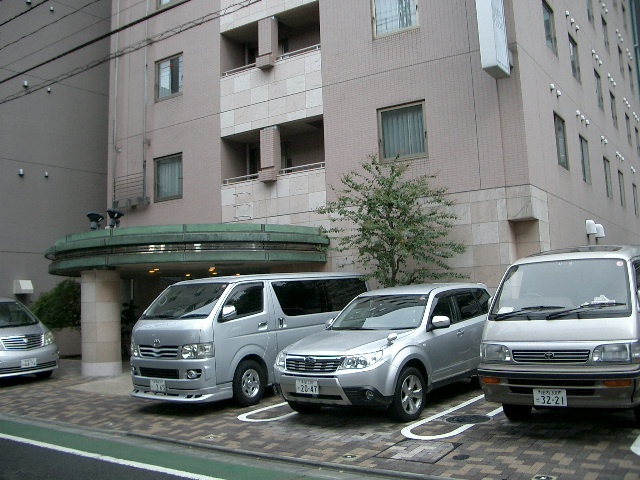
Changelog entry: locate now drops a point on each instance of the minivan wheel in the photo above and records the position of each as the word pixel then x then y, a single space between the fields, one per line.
pixel 636 412
pixel 516 413
pixel 408 399
pixel 305 407
pixel 248 383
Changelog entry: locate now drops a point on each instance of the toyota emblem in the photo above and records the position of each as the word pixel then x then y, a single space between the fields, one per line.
pixel 156 342
pixel 549 355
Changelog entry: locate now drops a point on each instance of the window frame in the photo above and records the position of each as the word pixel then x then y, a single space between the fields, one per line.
pixel 614 108
pixel 166 159
pixel 381 133
pixel 636 207
pixel 574 58
pixel 158 72
pixel 386 33
pixel 584 159
pixel 549 27
pixel 605 33
pixel 561 141
pixel 590 14
pixel 607 177
pixel 627 121
pixel 623 199
pixel 599 94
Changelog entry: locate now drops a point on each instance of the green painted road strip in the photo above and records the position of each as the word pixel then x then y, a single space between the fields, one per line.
pixel 196 467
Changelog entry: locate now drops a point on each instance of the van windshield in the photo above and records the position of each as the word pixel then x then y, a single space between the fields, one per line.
pixel 185 301
pixel 382 312
pixel 584 288
pixel 13 314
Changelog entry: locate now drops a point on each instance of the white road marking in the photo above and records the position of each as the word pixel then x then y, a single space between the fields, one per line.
pixel 105 458
pixel 407 430
pixel 635 447
pixel 245 416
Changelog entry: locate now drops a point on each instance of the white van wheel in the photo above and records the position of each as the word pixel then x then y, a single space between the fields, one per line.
pixel 516 413
pixel 636 411
pixel 248 383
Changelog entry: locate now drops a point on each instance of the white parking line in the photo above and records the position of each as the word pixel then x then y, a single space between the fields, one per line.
pixel 407 430
pixel 245 416
pixel 635 448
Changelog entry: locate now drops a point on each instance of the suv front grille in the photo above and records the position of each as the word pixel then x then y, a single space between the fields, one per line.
pixel 148 351
pixel 550 356
pixel 22 342
pixel 313 364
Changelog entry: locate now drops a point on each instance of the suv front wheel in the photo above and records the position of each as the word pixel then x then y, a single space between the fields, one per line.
pixel 408 399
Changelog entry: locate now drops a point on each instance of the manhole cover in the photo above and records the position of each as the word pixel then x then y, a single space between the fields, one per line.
pixel 468 419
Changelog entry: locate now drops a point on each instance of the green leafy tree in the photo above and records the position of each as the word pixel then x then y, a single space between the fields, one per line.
pixel 399 225
pixel 59 307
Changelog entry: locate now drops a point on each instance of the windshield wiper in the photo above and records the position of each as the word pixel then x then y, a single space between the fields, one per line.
pixel 583 307
pixel 194 315
pixel 525 311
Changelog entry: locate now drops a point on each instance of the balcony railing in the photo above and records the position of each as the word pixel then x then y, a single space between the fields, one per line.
pixel 129 191
pixel 284 171
pixel 284 56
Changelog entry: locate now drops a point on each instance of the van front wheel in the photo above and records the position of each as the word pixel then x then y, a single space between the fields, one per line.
pixel 516 413
pixel 248 383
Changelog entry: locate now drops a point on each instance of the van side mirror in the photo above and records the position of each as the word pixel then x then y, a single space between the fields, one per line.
pixel 228 311
pixel 440 321
pixel 328 323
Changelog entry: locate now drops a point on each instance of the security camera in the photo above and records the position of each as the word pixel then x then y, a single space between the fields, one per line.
pixel 114 217
pixel 95 219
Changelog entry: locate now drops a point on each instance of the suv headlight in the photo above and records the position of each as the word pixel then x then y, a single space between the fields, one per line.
pixel 196 350
pixel 491 352
pixel 361 361
pixel 281 359
pixel 48 338
pixel 617 352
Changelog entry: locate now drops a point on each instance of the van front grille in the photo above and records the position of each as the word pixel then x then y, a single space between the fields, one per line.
pixel 169 351
pixel 22 342
pixel 159 373
pixel 313 364
pixel 550 356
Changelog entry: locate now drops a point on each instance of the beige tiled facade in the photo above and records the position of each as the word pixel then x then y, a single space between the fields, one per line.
pixel 491 142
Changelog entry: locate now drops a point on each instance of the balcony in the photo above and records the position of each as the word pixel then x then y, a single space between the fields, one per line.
pixel 129 191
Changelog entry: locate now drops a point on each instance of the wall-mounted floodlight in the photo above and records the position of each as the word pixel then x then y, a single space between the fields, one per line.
pixel 591 227
pixel 114 217
pixel 95 219
pixel 599 231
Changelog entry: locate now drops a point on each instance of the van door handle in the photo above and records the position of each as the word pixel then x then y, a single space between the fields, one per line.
pixel 281 323
pixel 263 325
pixel 460 333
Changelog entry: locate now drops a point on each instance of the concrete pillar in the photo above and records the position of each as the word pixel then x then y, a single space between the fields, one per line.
pixel 100 323
pixel 270 153
pixel 267 42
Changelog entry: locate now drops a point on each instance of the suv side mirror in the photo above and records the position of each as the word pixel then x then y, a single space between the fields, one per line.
pixel 440 321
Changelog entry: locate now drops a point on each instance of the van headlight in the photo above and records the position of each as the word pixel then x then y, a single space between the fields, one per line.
pixel 135 350
pixel 48 338
pixel 494 353
pixel 196 350
pixel 281 359
pixel 363 360
pixel 617 353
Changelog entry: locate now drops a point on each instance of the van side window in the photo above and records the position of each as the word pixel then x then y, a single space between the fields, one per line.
pixel 483 299
pixel 444 308
pixel 247 300
pixel 468 305
pixel 305 297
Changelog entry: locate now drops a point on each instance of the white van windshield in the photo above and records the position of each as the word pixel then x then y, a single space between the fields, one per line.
pixel 584 288
pixel 185 301
pixel 13 314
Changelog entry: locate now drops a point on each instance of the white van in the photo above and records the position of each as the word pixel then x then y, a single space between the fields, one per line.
pixel 563 331
pixel 217 338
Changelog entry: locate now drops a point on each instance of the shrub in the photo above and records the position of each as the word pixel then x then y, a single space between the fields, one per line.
pixel 59 307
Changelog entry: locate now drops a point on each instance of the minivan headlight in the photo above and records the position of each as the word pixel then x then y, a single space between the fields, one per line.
pixel 281 359
pixel 196 350
pixel 363 360
pixel 135 350
pixel 493 352
pixel 617 352
pixel 48 338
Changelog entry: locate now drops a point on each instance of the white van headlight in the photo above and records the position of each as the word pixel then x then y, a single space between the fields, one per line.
pixel 493 352
pixel 135 350
pixel 617 352
pixel 48 338
pixel 197 350
pixel 281 359
pixel 363 360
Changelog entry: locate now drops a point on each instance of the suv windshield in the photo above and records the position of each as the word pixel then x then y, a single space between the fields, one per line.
pixel 564 289
pixel 13 314
pixel 185 301
pixel 382 312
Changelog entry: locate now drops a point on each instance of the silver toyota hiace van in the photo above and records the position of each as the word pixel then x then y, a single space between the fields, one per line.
pixel 563 331
pixel 217 338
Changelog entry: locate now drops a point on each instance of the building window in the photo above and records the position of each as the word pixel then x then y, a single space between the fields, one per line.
pixel 605 33
pixel 624 17
pixel 169 77
pixel 573 56
pixel 168 178
pixel 614 110
pixel 621 61
pixel 590 11
pixel 599 97
pixel 561 141
pixel 402 131
pixel 631 85
pixel 627 122
pixel 393 15
pixel 637 140
pixel 636 208
pixel 623 200
pixel 584 159
pixel 549 27
pixel 607 177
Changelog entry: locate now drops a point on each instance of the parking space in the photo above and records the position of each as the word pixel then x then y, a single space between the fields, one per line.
pixel 459 435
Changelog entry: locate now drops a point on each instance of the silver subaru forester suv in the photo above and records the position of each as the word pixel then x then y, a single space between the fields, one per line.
pixel 387 349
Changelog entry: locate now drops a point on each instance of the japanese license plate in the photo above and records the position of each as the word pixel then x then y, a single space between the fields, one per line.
pixel 309 387
pixel 549 397
pixel 28 362
pixel 158 385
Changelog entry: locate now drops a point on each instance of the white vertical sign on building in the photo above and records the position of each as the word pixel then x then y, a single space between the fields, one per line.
pixel 492 33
